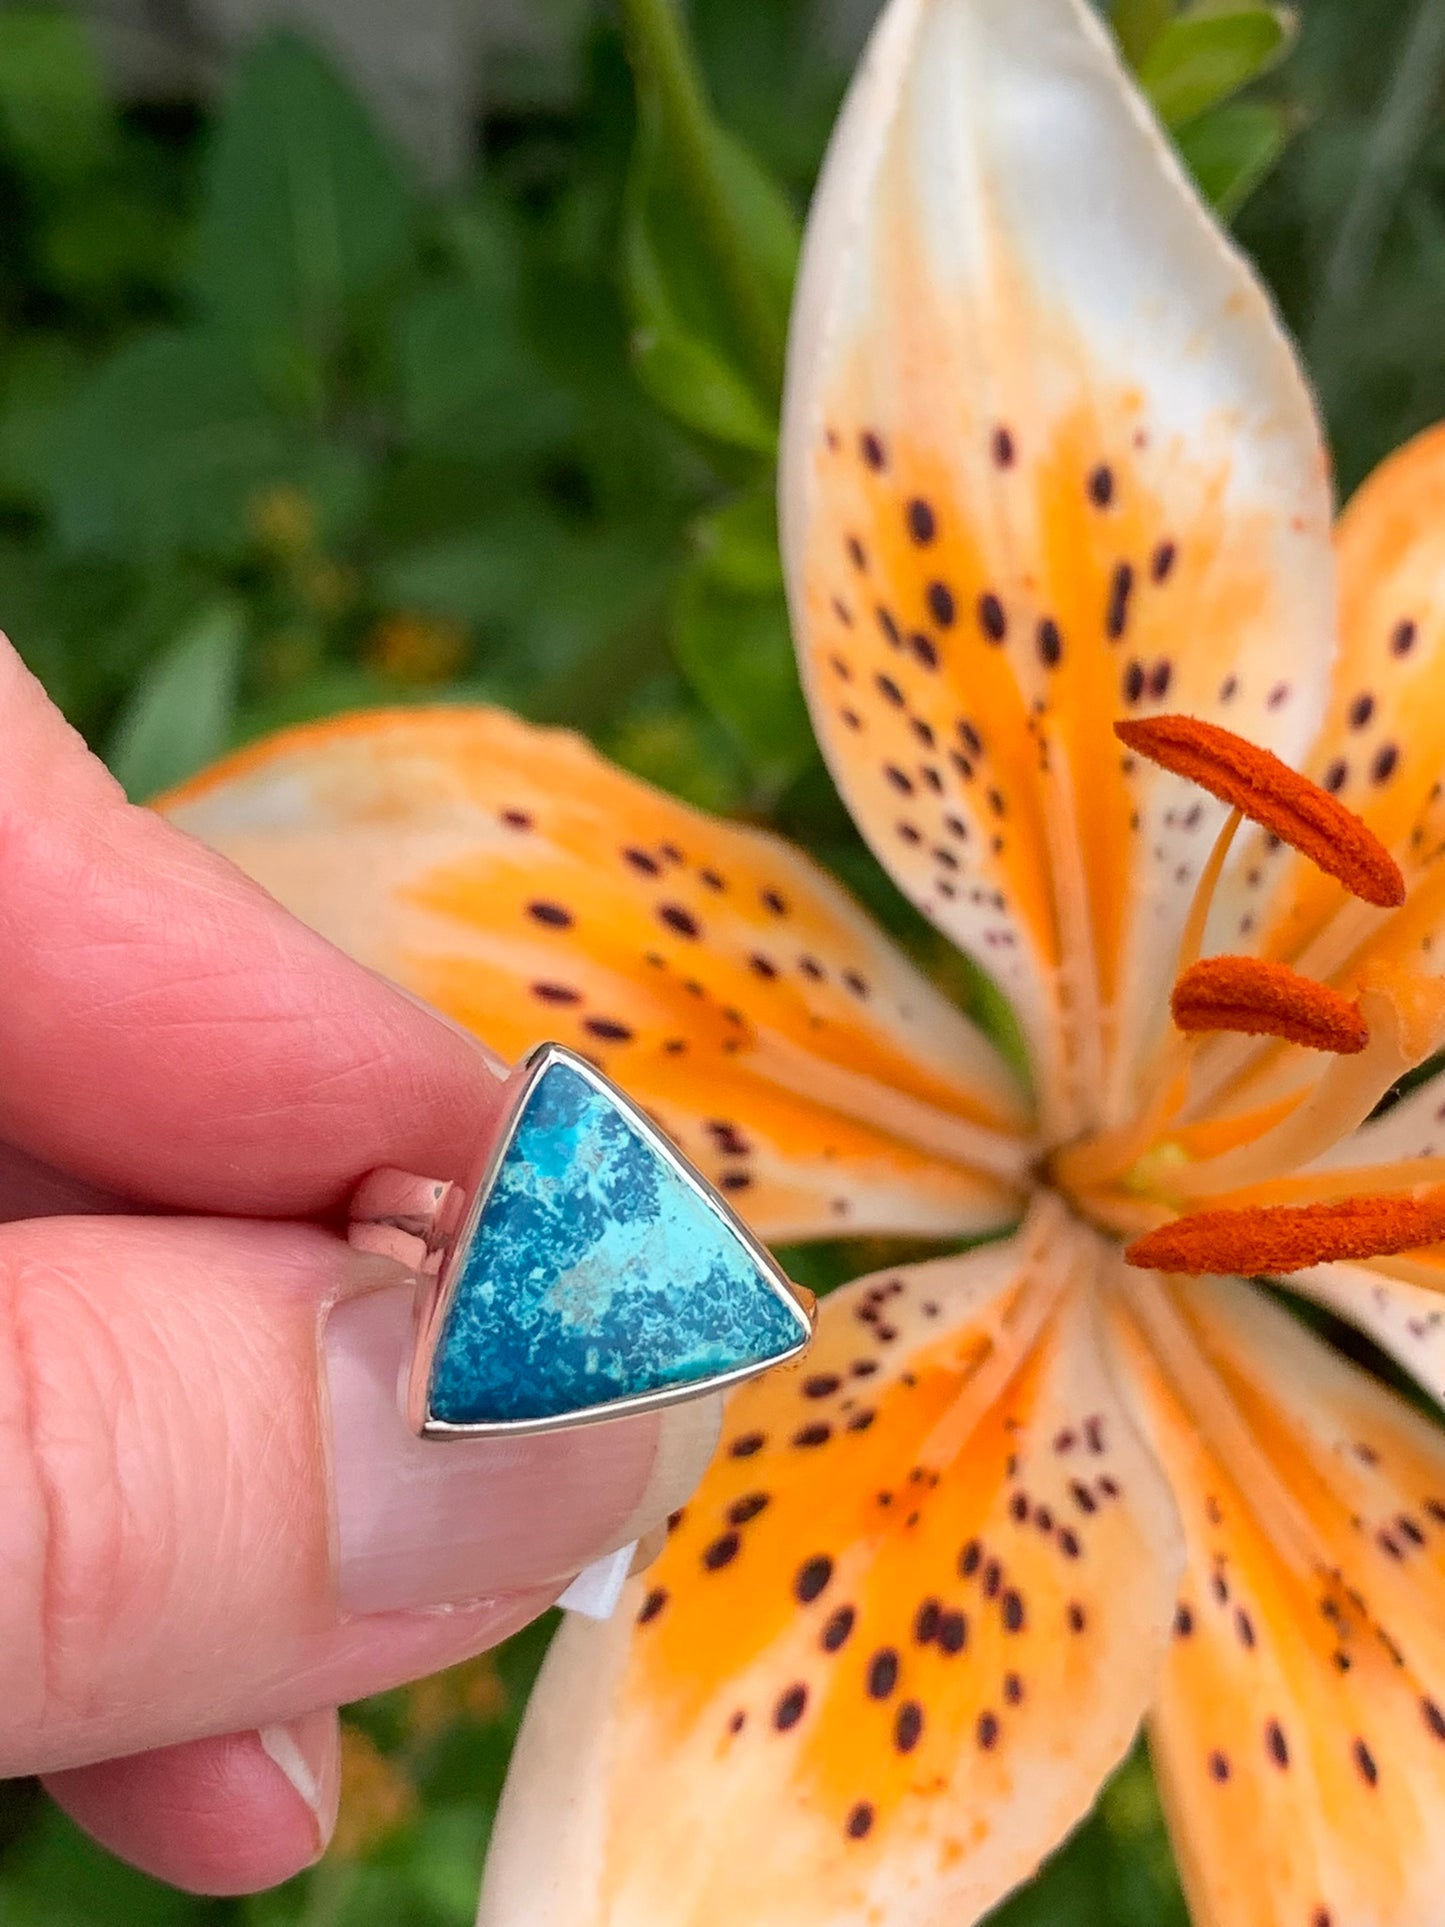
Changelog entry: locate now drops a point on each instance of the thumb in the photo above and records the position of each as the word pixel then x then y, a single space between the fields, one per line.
pixel 215 1519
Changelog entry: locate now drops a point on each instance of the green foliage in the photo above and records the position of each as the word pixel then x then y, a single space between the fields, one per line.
pixel 731 636
pixel 306 222
pixel 179 717
pixel 1207 52
pixel 283 432
pixel 1230 150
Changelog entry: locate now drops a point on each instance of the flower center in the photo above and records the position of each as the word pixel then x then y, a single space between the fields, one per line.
pixel 1268 1208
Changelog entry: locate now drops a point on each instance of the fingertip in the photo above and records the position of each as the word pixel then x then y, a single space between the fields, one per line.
pixel 229 1815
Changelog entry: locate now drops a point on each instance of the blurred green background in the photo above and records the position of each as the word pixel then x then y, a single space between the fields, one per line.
pixel 284 429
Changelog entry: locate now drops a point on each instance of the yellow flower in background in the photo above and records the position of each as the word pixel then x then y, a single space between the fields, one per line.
pixel 284 521
pixel 417 649
pixel 1050 478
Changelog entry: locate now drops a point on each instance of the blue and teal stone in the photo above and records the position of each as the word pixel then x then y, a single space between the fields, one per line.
pixel 596 1273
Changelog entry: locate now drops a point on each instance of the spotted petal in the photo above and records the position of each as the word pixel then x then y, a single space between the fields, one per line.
pixel 1382 746
pixel 1381 749
pixel 898 1637
pixel 1047 458
pixel 1300 1730
pixel 1406 1320
pixel 532 891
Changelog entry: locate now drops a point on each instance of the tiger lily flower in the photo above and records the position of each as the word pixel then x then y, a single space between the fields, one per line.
pixel 1057 530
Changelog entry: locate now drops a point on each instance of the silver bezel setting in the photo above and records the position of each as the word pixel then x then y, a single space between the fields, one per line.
pixel 436 1294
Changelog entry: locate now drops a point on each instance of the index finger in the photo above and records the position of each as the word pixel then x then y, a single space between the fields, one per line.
pixel 169 1032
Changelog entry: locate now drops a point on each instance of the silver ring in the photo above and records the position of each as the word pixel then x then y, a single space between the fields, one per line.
pixel 584 1271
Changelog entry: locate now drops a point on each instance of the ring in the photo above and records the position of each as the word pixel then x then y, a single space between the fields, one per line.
pixel 584 1271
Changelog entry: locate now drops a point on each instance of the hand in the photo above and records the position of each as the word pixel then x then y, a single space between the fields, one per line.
pixel 214 1522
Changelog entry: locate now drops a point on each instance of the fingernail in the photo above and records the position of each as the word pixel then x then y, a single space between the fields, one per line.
pixel 427 1522
pixel 308 1753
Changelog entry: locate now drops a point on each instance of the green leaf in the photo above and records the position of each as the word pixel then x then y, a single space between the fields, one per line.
pixel 58 1877
pixel 1209 52
pixel 40 374
pixel 180 716
pixel 470 385
pixel 684 375
pixel 55 116
pixel 306 216
pixel 1137 23
pixel 1230 151
pixel 710 244
pixel 732 640
pixel 685 754
pixel 162 450
pixel 484 575
pixel 740 543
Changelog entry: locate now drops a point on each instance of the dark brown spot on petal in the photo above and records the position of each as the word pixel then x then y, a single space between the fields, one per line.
pixel 722 1551
pixel 789 1709
pixel 812 1577
pixel 1116 614
pixel 552 914
pixel 882 1673
pixel 836 1632
pixel 860 1820
pixel 679 920
pixel 922 523
pixel 748 1507
pixel 908 1726
pixel 952 1633
pixel 557 993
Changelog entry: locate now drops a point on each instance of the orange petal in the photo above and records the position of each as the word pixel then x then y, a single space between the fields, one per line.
pixel 1382 747
pixel 1039 469
pixel 523 885
pixel 1300 1731
pixel 836 1697
pixel 1267 1000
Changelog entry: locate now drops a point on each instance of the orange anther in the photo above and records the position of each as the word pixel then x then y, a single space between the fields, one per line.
pixel 1267 1000
pixel 1273 795
pixel 1279 1238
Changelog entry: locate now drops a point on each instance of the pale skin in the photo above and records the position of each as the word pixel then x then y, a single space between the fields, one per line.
pixel 191 1086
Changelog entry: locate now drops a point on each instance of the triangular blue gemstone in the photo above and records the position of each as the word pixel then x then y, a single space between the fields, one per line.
pixel 596 1273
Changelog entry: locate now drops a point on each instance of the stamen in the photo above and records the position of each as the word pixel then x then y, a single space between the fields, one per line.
pixel 1405 1017
pixel 1267 1000
pixel 1283 1238
pixel 1270 793
pixel 1082 1167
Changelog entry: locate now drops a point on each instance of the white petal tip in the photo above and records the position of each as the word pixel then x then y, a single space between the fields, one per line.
pixel 597 1588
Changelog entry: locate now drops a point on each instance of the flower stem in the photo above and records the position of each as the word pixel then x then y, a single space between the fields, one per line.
pixel 665 68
